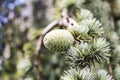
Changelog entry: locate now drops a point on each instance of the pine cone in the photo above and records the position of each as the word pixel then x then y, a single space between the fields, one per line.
pixel 58 40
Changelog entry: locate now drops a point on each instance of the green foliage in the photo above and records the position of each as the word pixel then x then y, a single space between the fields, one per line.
pixel 116 7
pixel 85 54
pixel 103 75
pixel 78 74
pixel 101 12
pixel 117 72
pixel 94 27
pixel 81 14
pixel 118 27
pixel 23 66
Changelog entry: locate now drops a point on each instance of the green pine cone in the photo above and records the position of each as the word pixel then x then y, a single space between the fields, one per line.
pixel 58 40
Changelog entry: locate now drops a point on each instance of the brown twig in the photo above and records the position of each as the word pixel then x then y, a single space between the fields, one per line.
pixel 39 46
pixel 109 63
pixel 110 69
pixel 47 29
pixel 112 22
pixel 60 23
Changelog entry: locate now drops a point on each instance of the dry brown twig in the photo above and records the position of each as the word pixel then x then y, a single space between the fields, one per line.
pixel 61 23
pixel 39 46
pixel 53 24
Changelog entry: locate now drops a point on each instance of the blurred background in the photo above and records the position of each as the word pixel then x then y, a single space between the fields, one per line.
pixel 22 21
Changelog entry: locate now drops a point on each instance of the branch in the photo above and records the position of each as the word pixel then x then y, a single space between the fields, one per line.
pixel 47 29
pixel 39 46
pixel 110 69
pixel 112 22
pixel 55 23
